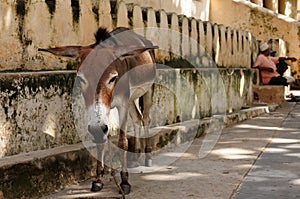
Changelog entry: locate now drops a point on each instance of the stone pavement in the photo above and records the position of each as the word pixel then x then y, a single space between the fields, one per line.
pixel 257 158
pixel 276 173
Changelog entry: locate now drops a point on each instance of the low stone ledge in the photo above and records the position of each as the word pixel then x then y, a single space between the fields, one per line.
pixel 32 175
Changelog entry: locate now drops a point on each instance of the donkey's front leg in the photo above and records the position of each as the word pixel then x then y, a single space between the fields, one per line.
pixel 97 185
pixel 123 144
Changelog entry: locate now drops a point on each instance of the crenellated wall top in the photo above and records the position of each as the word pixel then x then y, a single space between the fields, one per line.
pixel 29 25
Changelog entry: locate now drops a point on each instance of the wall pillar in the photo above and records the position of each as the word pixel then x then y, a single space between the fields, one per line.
pixel 175 40
pixel 163 35
pixel 216 45
pixel 137 20
pixel 229 45
pixel 298 10
pixel 104 14
pixel 208 38
pixel 185 43
pixel 240 47
pixel 202 43
pixel 202 39
pixel 194 43
pixel 247 49
pixel 235 49
pixel 258 2
pixel 279 46
pixel 151 31
pixel 288 8
pixel 122 15
pixel 271 5
pixel 223 58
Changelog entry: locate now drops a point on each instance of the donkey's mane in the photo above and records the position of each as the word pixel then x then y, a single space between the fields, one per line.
pixel 101 34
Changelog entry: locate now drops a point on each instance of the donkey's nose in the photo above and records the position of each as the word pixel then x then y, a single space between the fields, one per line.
pixel 104 128
pixel 98 129
pixel 98 132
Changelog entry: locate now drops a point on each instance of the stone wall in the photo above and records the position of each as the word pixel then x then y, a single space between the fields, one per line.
pixel 36 109
pixel 29 25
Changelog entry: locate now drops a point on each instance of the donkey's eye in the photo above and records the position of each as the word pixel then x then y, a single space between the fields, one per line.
pixel 113 79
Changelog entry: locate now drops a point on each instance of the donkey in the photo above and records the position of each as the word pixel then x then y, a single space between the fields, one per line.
pixel 116 71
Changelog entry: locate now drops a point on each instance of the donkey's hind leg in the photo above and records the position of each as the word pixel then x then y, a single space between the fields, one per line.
pixel 147 103
pixel 134 141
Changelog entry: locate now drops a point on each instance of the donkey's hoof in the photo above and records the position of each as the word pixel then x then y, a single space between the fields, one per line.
pixel 96 186
pixel 126 188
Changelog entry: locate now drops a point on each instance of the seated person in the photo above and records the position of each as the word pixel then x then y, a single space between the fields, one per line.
pixel 267 67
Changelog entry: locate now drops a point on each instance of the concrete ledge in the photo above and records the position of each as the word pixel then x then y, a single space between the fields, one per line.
pixel 269 94
pixel 32 175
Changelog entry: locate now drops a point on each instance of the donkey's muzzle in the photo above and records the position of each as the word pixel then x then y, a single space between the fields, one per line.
pixel 99 133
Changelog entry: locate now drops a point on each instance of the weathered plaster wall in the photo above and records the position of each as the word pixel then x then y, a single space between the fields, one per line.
pixel 36 108
pixel 203 90
pixel 262 23
pixel 28 25
pixel 35 111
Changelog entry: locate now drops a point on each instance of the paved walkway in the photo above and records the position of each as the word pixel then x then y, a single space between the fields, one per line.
pixel 258 158
pixel 276 174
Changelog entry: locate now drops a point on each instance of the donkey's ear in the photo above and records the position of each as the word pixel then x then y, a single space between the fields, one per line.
pixel 65 51
pixel 133 51
pixel 70 51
